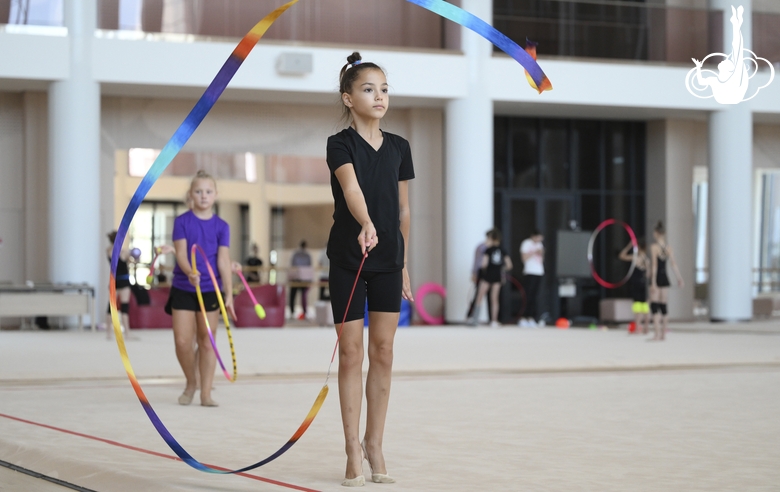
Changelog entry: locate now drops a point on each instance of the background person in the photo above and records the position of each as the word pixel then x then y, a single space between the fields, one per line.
pixel 638 285
pixel 660 253
pixel 255 262
pixel 476 275
pixel 199 226
pixel 300 272
pixel 495 262
pixel 532 254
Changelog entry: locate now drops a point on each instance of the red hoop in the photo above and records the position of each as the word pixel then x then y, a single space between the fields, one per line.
pixel 634 244
pixel 520 288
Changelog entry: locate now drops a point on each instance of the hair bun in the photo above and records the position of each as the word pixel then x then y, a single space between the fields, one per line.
pixel 354 57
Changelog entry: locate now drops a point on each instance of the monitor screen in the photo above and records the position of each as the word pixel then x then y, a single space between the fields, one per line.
pixel 572 255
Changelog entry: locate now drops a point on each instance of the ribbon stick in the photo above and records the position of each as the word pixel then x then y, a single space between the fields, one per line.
pixel 150 277
pixel 258 308
pixel 194 263
pixel 470 21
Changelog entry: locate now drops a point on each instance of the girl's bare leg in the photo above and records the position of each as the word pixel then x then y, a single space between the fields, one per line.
pixel 351 392
pixel 184 325
pixel 494 291
pixel 664 297
pixel 481 291
pixel 381 334
pixel 124 298
pixel 654 297
pixel 207 360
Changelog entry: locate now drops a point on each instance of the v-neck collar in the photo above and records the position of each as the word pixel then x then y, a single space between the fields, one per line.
pixel 384 138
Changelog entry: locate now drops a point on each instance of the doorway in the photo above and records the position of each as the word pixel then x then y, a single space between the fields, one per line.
pixel 522 213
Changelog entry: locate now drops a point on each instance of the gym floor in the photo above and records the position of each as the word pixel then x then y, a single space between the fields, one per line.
pixel 471 409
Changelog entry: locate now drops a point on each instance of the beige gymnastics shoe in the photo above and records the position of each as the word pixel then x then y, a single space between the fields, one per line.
pixel 375 477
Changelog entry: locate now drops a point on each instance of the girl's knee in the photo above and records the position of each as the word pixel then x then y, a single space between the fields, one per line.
pixel 350 355
pixel 381 353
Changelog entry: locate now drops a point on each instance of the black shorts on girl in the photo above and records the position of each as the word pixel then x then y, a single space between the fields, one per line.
pixel 188 301
pixel 382 289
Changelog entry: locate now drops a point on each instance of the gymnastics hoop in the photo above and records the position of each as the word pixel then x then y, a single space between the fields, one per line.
pixel 635 252
pixel 183 134
pixel 194 265
pixel 424 290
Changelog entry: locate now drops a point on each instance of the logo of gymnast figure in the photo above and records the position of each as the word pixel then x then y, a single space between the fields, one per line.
pixel 730 84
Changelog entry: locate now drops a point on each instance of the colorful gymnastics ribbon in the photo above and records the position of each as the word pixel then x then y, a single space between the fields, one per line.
pixel 258 308
pixel 183 134
pixel 540 81
pixel 174 145
pixel 194 264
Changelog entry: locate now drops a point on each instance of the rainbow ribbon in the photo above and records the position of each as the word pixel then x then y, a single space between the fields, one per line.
pixel 470 21
pixel 183 134
pixel 174 145
pixel 196 248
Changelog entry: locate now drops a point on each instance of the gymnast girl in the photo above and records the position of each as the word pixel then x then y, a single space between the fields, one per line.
pixel 370 171
pixel 660 253
pixel 638 285
pixel 122 287
pixel 199 226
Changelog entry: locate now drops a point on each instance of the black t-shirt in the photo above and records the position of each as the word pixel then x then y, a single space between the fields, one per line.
pixel 495 264
pixel 378 173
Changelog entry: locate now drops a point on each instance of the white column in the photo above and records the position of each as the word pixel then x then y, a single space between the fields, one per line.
pixel 75 239
pixel 469 168
pixel 730 194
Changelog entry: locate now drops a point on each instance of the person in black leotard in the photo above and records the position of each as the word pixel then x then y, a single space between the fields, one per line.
pixel 660 253
pixel 638 285
pixel 122 287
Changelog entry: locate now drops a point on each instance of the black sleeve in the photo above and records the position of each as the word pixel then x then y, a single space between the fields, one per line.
pixel 338 153
pixel 406 170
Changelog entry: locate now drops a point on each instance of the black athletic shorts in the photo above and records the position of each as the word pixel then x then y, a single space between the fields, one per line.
pixel 188 301
pixel 382 289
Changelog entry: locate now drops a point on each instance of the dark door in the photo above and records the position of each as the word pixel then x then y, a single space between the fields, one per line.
pixel 522 214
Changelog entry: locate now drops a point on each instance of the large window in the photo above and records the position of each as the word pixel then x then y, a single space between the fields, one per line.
pixel 767 278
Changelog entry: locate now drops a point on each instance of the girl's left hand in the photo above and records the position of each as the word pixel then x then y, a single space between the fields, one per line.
pixel 229 305
pixel 406 291
pixel 236 267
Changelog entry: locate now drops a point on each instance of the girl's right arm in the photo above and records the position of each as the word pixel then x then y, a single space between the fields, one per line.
pixel 624 254
pixel 180 245
pixel 356 203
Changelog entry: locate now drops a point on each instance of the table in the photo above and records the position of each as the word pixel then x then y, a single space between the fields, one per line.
pixel 48 300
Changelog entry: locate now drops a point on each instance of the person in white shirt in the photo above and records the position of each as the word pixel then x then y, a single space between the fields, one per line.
pixel 532 253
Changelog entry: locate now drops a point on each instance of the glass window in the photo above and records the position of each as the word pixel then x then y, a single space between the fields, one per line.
pixel 524 155
pixel 555 154
pixel 616 159
pixel 768 278
pixel 585 141
pixel 590 212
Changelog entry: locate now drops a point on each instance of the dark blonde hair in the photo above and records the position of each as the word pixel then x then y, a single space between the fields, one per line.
pixel 659 228
pixel 349 74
